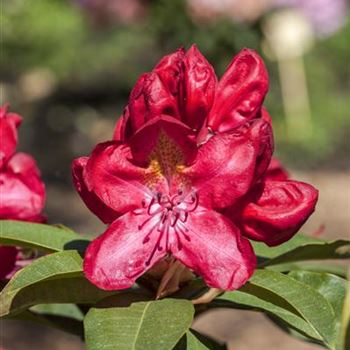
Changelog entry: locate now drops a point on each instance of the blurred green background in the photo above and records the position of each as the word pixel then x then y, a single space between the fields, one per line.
pixel 68 69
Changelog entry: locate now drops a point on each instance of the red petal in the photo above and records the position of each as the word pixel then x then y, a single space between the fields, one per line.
pixel 18 201
pixel 150 98
pixel 137 104
pixel 7 260
pixel 279 210
pixel 154 94
pixel 216 250
pixel 24 166
pixel 240 92
pixel 118 183
pixel 9 122
pixel 92 201
pixel 228 164
pixel 118 257
pixel 169 70
pixel 165 139
pixel 265 115
pixel 159 99
pixel 276 171
pixel 118 134
pixel 198 88
pixel 123 130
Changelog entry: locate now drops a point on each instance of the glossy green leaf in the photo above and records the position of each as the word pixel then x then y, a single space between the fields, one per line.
pixel 312 266
pixel 310 304
pixel 44 237
pixel 264 251
pixel 291 301
pixel 145 325
pixel 63 323
pixel 252 297
pixel 345 320
pixel 194 340
pixel 198 341
pixel 55 278
pixel 332 288
pixel 302 248
pixel 64 310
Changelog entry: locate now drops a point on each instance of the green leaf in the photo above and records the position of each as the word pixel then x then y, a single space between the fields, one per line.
pixel 197 341
pixel 194 340
pixel 142 325
pixel 289 300
pixel 252 297
pixel 292 331
pixel 64 310
pixel 264 251
pixel 311 305
pixel 331 287
pixel 302 249
pixel 55 278
pixel 345 322
pixel 312 266
pixel 44 237
pixel 64 323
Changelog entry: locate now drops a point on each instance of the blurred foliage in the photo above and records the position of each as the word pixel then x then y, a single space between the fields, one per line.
pixel 94 68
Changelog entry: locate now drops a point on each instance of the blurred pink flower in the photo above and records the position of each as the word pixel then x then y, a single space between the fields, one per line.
pixel 104 12
pixel 325 16
pixel 22 192
pixel 240 11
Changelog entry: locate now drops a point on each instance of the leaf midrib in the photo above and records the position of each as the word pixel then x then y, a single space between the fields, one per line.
pixel 301 313
pixel 140 324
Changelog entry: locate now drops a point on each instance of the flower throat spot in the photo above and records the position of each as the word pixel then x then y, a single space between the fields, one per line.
pixel 166 160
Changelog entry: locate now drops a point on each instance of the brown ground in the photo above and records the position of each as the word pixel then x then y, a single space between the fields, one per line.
pixel 242 330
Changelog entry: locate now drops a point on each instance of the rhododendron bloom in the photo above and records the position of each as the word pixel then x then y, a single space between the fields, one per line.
pixel 177 180
pixel 22 192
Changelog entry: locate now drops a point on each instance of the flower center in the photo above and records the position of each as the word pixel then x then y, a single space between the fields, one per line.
pixel 167 217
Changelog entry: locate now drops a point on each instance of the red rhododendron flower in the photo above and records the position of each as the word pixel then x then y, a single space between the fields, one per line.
pixel 9 122
pixel 21 188
pixel 185 176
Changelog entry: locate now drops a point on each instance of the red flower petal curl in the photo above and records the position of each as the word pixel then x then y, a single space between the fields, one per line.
pixel 197 88
pixel 92 201
pixel 240 93
pixel 151 98
pixel 9 122
pixel 278 211
pixel 111 175
pixel 169 69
